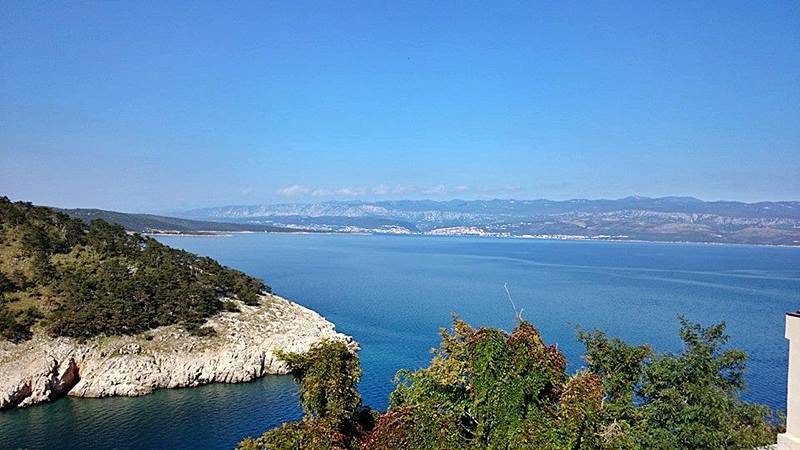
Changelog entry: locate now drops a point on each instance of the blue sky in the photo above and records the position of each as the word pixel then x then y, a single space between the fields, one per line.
pixel 160 106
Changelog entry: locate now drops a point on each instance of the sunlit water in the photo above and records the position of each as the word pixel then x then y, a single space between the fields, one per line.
pixel 392 293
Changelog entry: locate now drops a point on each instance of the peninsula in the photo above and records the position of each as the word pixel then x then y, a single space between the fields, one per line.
pixel 91 310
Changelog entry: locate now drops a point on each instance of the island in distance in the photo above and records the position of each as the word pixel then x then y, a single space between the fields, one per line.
pixel 666 219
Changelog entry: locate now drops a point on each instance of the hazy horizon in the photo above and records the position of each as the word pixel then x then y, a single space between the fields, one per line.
pixel 159 107
pixel 358 200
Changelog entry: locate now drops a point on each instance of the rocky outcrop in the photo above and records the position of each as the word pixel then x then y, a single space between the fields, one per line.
pixel 242 349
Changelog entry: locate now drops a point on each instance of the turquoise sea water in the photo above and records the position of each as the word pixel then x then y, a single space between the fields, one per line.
pixel 392 293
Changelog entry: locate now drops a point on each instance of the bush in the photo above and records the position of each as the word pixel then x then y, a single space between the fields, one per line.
pixel 488 389
pixel 230 306
pixel 685 400
pixel 17 327
pixel 201 331
pixel 328 375
pixel 249 296
pixel 6 284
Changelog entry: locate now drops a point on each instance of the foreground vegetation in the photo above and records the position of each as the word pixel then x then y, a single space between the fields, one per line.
pixel 83 280
pixel 488 389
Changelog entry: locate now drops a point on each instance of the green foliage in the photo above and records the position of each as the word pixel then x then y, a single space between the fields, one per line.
pixel 487 389
pixel 417 427
pixel 249 296
pixel 15 327
pixel 677 401
pixel 230 306
pixel 99 279
pixel 620 367
pixel 198 330
pixel 305 435
pixel 328 375
pixel 6 284
pixel 444 382
pixel 499 390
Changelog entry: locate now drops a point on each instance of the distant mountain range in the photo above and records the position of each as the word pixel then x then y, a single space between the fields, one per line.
pixel 632 218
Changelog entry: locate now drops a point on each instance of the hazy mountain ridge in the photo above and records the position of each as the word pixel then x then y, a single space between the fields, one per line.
pixel 413 208
pixel 149 223
pixel 630 218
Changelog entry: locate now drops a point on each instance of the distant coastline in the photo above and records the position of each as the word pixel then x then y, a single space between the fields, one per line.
pixel 665 219
pixel 228 233
pixel 632 219
pixel 533 238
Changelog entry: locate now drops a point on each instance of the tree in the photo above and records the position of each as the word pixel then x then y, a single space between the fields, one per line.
pixel 498 390
pixel 488 389
pixel 16 327
pixel 328 376
pixel 677 401
pixel 99 279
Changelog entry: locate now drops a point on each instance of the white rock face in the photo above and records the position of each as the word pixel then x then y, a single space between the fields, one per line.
pixel 243 349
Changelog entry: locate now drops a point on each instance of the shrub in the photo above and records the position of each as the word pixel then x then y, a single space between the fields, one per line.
pixel 230 306
pixel 487 389
pixel 16 327
pixel 249 296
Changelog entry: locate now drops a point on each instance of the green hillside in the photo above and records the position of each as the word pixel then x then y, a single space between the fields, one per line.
pixel 82 280
pixel 149 223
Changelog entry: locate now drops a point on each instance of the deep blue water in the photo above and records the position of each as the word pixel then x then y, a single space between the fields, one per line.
pixel 392 293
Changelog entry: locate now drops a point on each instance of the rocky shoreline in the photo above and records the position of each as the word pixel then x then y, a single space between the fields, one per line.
pixel 242 349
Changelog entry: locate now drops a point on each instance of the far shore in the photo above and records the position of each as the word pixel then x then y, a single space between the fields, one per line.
pixel 367 233
pixel 221 233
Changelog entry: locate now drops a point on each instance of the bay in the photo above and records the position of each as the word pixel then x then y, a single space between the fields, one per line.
pixel 393 293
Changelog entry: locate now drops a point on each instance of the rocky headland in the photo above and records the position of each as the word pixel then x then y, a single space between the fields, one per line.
pixel 241 349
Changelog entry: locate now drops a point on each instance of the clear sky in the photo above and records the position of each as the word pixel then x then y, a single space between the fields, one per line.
pixel 161 106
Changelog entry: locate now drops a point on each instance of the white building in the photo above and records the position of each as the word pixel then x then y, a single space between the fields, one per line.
pixel 791 439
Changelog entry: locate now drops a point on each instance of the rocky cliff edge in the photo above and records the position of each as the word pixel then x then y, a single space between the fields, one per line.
pixel 242 349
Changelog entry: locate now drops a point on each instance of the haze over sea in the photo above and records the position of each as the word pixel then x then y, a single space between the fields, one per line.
pixel 392 293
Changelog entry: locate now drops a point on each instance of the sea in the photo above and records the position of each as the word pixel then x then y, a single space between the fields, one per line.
pixel 394 293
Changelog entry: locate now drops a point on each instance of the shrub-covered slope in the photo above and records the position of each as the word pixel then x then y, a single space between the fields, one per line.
pixel 83 280
pixel 149 223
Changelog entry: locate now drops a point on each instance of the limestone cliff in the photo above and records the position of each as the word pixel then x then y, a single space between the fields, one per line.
pixel 242 349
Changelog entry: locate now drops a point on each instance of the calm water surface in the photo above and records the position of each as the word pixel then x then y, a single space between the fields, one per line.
pixel 392 293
